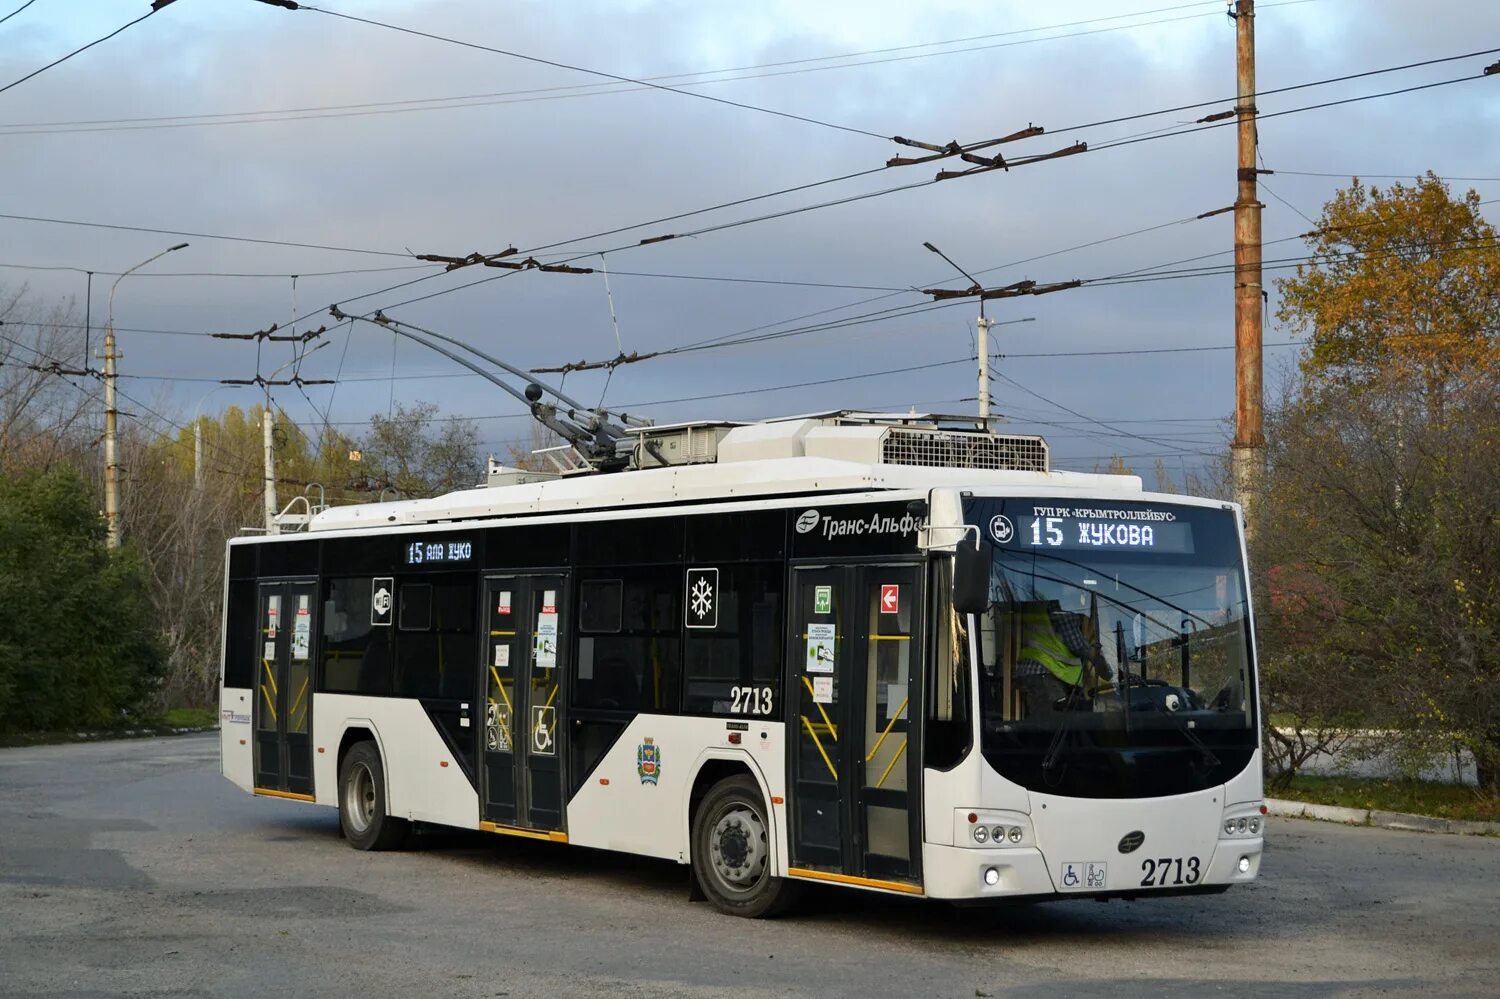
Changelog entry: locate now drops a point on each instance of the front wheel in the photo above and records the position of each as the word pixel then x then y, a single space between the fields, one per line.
pixel 363 814
pixel 731 852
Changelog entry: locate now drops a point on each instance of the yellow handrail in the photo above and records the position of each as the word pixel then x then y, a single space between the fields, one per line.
pixel 891 765
pixel 819 743
pixel 888 726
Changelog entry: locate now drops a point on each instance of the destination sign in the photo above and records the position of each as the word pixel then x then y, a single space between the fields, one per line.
pixel 425 552
pixel 1090 529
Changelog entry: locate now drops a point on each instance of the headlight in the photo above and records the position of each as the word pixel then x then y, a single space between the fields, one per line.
pixel 1240 826
pixel 1254 824
pixel 1229 827
pixel 981 834
pixel 1015 834
pixel 998 834
pixel 991 876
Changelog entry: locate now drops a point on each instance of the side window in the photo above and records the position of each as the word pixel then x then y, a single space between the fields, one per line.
pixel 601 605
pixel 416 606
pixel 637 666
pixel 948 734
pixel 241 643
pixel 357 656
pixel 438 641
pixel 732 665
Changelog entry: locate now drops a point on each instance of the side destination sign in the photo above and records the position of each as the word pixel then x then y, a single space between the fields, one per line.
pixel 855 529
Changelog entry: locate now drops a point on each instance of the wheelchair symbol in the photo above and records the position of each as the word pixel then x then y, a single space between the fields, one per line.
pixel 1070 877
pixel 543 724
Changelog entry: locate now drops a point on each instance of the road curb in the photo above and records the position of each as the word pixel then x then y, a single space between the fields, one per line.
pixel 1379 818
pixel 31 739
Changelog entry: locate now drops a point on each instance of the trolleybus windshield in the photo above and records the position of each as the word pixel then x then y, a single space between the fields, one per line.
pixel 1115 655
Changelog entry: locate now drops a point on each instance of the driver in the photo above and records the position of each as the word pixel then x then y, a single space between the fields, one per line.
pixel 1054 649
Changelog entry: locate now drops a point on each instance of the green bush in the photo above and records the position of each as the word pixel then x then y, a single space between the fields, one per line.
pixel 78 648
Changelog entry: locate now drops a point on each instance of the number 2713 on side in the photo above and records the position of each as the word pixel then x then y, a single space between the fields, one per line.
pixel 1170 871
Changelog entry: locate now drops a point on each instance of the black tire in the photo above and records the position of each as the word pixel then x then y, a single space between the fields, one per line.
pixel 731 851
pixel 363 816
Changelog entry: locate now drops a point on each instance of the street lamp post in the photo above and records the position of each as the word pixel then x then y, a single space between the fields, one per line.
pixel 982 347
pixel 111 461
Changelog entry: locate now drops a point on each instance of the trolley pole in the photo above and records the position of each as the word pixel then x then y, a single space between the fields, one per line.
pixel 1248 449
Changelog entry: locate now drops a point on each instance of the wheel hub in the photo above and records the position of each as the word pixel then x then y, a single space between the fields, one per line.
pixel 738 845
pixel 359 798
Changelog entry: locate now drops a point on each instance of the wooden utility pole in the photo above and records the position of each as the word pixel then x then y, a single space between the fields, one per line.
pixel 1248 449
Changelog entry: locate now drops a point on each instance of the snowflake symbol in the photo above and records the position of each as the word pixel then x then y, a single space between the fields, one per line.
pixel 703 598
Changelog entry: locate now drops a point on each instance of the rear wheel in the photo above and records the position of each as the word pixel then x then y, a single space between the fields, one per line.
pixel 731 852
pixel 363 813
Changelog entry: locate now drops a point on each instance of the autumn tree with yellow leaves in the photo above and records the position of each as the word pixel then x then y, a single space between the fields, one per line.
pixel 1378 540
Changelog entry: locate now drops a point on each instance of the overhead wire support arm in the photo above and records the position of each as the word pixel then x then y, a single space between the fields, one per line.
pixel 608 365
pixel 955 148
pixel 997 163
pixel 1026 287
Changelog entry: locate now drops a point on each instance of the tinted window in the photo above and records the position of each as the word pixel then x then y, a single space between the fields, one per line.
pixel 357 656
pixel 374 556
pixel 623 542
pixel 639 667
pixel 288 558
pixel 241 562
pixel 416 606
pixel 240 642
pixel 527 545
pixel 440 659
pixel 600 605
pixel 730 666
pixel 736 537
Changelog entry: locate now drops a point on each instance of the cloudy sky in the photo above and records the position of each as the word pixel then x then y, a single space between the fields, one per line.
pixel 235 118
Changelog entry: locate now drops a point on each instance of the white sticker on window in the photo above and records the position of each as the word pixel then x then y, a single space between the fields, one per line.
pixel 895 700
pixel 269 652
pixel 822 689
pixel 545 647
pixel 502 656
pixel 273 613
pixel 820 641
pixel 496 728
pixel 302 628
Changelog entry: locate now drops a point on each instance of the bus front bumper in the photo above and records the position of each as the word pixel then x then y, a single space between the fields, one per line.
pixel 974 874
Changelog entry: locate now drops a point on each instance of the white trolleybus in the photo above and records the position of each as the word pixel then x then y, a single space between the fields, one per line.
pixel 890 652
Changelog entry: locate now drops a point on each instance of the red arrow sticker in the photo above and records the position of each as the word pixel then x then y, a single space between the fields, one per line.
pixel 890 598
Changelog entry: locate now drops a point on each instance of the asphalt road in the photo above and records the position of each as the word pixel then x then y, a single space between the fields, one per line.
pixel 133 868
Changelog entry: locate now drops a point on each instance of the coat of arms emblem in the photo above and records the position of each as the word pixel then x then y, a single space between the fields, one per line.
pixel 648 761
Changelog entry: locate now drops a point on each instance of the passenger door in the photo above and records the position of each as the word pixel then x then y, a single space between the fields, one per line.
pixel 283 696
pixel 855 667
pixel 522 673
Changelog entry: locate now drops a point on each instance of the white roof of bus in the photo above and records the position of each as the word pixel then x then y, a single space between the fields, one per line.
pixel 709 482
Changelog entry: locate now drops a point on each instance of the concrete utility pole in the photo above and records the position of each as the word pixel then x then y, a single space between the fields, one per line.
pixel 983 345
pixel 1248 450
pixel 267 433
pixel 111 414
pixel 198 454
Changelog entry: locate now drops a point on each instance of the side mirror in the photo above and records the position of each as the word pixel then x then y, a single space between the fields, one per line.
pixel 971 578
